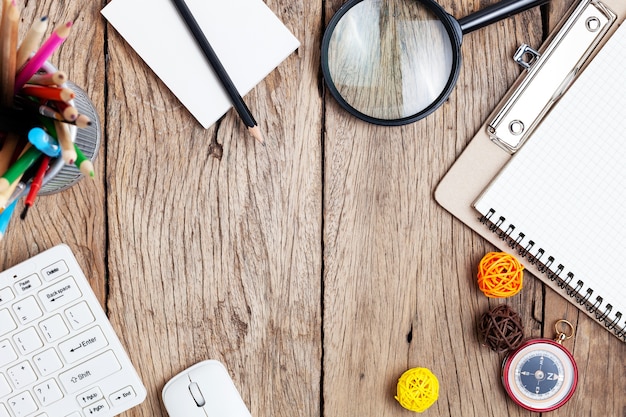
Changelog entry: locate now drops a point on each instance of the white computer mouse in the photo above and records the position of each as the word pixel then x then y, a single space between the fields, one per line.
pixel 205 389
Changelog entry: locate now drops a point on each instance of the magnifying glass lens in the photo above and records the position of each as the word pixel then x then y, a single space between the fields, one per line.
pixel 390 59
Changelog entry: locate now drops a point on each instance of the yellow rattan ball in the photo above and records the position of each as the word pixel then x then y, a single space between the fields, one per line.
pixel 500 275
pixel 418 389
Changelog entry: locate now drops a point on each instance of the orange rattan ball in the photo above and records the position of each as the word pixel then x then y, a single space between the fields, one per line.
pixel 500 275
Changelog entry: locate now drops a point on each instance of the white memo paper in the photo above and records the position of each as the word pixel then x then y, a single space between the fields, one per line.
pixel 246 35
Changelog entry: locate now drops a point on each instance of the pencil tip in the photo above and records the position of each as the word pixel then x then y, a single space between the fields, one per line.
pixel 256 133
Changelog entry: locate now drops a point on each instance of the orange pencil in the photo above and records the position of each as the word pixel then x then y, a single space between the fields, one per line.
pixel 48 92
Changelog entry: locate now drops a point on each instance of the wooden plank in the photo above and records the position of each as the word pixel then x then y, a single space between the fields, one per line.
pixel 221 258
pixel 399 276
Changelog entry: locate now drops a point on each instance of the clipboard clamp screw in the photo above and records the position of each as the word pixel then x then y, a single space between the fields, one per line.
pixel 525 56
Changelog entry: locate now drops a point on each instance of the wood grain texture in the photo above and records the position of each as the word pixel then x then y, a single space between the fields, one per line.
pixel 317 268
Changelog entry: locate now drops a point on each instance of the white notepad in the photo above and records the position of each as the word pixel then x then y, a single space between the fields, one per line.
pixel 246 35
pixel 565 190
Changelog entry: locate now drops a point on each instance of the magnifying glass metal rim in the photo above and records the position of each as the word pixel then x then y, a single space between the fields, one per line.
pixel 454 32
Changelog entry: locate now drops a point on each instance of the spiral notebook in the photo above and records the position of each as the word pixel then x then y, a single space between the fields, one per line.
pixel 561 199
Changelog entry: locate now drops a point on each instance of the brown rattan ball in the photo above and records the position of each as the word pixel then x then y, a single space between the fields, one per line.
pixel 501 329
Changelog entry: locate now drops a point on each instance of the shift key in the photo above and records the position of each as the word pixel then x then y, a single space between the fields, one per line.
pixel 89 372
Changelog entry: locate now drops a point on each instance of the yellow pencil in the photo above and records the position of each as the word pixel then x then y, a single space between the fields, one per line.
pixel 68 153
pixel 31 41
pixel 7 193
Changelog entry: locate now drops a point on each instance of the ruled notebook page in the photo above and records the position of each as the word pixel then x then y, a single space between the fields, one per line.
pixel 566 188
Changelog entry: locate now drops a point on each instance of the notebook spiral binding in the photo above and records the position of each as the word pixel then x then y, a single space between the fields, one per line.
pixel 535 255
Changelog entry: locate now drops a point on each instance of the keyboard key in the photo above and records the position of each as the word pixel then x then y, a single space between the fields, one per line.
pixel 27 341
pixel 6 295
pixel 89 397
pixel 54 328
pixel 3 411
pixel 5 388
pixel 59 294
pixel 48 392
pixel 96 409
pixel 121 396
pixel 89 372
pixel 47 362
pixel 7 353
pixel 29 283
pixel 27 310
pixel 7 323
pixel 22 404
pixel 79 315
pixel 55 271
pixel 84 344
pixel 21 375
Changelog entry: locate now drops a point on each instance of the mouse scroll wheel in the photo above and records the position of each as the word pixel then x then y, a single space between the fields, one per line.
pixel 194 389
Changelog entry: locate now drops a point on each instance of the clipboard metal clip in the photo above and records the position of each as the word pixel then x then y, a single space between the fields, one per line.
pixel 550 73
pixel 525 56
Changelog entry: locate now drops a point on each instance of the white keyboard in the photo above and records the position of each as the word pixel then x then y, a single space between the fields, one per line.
pixel 59 355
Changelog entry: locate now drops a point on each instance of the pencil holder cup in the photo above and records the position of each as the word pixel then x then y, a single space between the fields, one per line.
pixel 60 176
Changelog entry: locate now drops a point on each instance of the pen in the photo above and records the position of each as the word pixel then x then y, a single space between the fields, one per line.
pixel 220 71
pixel 35 185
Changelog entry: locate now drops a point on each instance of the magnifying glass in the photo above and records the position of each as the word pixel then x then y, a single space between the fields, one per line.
pixel 393 62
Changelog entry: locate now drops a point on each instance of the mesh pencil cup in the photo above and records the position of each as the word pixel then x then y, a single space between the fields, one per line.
pixel 60 176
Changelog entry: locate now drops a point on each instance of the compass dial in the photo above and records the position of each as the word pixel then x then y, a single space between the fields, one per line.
pixel 540 376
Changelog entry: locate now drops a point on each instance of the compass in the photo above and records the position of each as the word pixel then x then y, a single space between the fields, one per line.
pixel 541 375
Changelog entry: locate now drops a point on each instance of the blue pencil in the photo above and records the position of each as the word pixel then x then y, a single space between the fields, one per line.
pixel 5 218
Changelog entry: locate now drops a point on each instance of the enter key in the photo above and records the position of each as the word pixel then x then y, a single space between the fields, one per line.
pixel 82 345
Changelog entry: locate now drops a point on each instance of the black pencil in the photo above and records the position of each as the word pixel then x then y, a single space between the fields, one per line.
pixel 219 69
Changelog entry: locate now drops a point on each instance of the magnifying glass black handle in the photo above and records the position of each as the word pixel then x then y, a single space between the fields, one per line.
pixel 495 12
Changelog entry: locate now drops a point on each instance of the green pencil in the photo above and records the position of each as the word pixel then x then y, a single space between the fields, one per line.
pixel 83 163
pixel 19 167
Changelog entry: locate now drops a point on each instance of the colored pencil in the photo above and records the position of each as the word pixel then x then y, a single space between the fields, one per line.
pixel 55 78
pixel 5 218
pixel 31 41
pixel 69 112
pixel 24 103
pixel 219 69
pixel 48 92
pixel 83 163
pixel 43 53
pixel 17 169
pixel 8 49
pixel 6 153
pixel 63 135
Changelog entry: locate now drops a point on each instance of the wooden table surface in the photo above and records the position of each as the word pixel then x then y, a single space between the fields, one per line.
pixel 318 268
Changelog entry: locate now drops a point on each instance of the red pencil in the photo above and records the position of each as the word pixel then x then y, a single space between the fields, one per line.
pixel 48 92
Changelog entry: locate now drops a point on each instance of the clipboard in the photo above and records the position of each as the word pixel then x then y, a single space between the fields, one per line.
pixel 549 71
